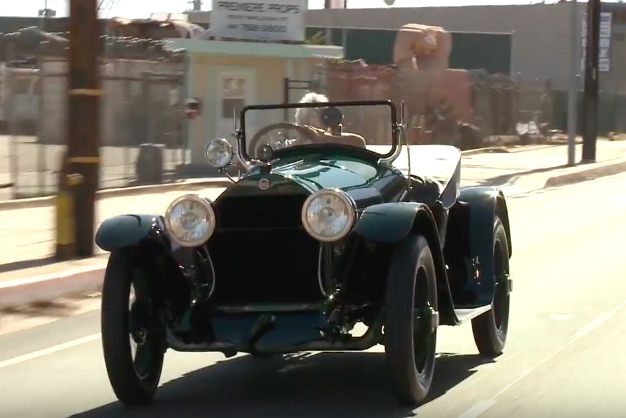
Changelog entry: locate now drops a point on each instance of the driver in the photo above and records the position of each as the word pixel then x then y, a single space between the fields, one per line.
pixel 309 118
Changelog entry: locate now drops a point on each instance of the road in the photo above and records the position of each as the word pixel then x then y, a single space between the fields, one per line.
pixel 564 355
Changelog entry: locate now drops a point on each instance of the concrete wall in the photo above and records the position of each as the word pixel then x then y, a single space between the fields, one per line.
pixel 541 42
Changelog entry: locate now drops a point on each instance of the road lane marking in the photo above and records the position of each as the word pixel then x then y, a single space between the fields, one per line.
pixel 478 409
pixel 481 407
pixel 47 351
pixel 596 323
pixel 561 317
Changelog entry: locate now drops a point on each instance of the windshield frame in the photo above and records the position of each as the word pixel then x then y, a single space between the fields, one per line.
pixel 395 126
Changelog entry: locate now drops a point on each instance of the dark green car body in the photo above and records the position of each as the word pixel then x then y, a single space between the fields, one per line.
pixel 416 251
pixel 259 236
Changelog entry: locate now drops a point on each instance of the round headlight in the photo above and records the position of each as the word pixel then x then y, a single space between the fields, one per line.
pixel 328 215
pixel 219 153
pixel 190 220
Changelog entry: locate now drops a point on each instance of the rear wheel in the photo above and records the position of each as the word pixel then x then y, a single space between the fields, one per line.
pixel 133 340
pixel 411 320
pixel 490 329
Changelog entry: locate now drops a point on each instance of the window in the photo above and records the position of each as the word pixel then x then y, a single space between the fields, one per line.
pixel 229 104
pixel 233 96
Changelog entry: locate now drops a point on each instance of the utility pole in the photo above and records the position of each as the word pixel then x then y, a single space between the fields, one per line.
pixel 590 103
pixel 572 117
pixel 83 151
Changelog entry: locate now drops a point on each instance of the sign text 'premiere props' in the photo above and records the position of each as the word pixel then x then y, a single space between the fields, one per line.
pixel 274 20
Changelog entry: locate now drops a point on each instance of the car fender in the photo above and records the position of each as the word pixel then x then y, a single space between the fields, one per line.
pixel 485 203
pixel 388 222
pixel 126 230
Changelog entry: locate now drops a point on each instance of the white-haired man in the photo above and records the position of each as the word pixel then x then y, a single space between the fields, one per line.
pixel 309 117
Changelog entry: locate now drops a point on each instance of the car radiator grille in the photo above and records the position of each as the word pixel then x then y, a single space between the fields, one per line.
pixel 260 212
pixel 261 253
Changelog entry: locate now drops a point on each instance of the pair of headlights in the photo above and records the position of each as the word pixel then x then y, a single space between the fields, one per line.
pixel 327 215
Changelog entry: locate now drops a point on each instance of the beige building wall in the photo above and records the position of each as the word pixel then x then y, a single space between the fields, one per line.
pixel 270 74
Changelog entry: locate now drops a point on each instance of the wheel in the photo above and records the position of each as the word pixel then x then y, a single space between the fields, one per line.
pixel 411 320
pixel 132 333
pixel 490 329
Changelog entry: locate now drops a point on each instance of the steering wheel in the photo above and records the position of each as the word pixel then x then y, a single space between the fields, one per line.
pixel 304 133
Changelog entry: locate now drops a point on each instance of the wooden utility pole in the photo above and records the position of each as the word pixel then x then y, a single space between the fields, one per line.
pixel 83 127
pixel 590 98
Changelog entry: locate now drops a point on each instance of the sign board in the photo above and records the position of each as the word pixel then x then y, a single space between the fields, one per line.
pixel 269 20
pixel 337 4
pixel 604 52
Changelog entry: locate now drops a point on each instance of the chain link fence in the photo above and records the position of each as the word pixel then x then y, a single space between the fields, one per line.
pixel 142 113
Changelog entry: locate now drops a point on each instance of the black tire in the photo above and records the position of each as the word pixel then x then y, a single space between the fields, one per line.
pixel 410 346
pixel 134 381
pixel 491 328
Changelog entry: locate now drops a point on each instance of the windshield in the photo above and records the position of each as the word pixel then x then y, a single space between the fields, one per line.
pixel 366 124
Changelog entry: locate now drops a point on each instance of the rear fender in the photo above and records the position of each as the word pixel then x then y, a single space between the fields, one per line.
pixel 389 223
pixel 485 204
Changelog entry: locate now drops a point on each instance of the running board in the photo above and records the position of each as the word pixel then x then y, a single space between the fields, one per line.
pixel 464 315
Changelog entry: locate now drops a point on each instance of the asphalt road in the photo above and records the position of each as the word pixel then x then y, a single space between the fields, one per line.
pixel 564 355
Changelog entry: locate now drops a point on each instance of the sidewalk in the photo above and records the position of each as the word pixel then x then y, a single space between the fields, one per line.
pixel 535 167
pixel 28 233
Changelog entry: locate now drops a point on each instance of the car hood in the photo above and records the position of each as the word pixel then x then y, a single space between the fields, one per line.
pixel 366 183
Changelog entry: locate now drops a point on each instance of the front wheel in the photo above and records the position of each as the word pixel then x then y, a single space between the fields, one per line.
pixel 491 328
pixel 411 320
pixel 132 333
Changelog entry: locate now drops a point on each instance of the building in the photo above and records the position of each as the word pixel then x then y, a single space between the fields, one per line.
pixel 540 43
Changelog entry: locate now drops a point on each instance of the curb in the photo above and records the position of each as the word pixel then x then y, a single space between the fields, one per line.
pixel 37 202
pixel 586 175
pixel 17 293
pixel 508 149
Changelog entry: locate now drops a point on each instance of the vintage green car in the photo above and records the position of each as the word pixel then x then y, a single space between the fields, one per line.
pixel 327 241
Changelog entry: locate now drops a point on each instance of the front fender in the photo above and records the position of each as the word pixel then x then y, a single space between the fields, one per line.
pixel 485 204
pixel 125 230
pixel 388 222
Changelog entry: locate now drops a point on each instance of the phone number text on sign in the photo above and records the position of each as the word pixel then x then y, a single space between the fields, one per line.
pixel 281 20
pixel 263 28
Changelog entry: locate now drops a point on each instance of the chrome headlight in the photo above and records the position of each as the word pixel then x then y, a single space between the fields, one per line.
pixel 190 220
pixel 219 153
pixel 328 215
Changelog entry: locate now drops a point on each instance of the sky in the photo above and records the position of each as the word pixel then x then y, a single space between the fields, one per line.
pixel 143 8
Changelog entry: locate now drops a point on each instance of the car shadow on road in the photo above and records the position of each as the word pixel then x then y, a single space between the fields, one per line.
pixel 323 385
